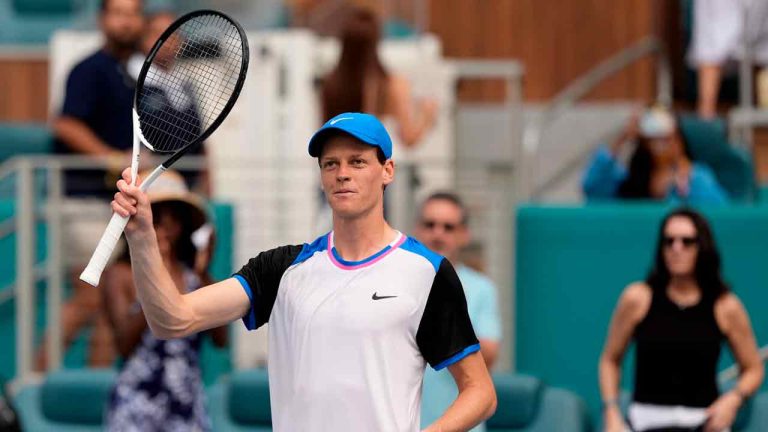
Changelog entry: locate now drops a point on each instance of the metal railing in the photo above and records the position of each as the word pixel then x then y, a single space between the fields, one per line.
pixel 28 273
pixel 536 130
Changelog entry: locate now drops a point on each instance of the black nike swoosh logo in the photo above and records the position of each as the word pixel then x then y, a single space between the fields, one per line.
pixel 377 297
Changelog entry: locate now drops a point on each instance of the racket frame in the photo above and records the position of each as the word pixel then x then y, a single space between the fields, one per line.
pixel 92 273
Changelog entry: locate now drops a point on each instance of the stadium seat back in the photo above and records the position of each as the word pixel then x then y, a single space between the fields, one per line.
pixel 525 404
pixel 68 400
pixel 21 139
pixel 249 397
pixel 708 143
pixel 518 398
pixel 43 7
pixel 76 396
pixel 240 402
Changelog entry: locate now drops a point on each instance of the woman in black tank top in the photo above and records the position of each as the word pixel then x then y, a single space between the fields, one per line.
pixel 678 318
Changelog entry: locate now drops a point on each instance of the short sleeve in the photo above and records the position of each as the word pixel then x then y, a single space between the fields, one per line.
pixel 81 94
pixel 260 279
pixel 445 333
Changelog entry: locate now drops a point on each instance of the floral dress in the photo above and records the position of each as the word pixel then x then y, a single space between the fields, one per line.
pixel 160 386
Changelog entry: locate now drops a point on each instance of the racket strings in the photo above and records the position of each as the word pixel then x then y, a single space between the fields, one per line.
pixel 190 81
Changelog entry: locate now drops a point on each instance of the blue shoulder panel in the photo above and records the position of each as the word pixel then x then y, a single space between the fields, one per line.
pixel 320 244
pixel 413 245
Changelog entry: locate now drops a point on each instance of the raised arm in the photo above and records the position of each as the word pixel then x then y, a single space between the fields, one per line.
pixel 169 313
pixel 412 122
pixel 81 139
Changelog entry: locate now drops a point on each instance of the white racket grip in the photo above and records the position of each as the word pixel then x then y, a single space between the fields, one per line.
pixel 100 257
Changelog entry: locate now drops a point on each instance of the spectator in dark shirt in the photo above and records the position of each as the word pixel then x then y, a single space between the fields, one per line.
pixel 95 117
pixel 95 120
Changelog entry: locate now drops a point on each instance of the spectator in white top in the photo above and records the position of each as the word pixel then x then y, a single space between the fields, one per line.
pixel 719 30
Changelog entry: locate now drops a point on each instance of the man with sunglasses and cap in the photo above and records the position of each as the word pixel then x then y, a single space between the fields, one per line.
pixel 443 227
pixel 354 316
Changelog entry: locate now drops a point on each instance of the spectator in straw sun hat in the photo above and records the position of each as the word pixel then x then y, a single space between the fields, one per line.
pixel 159 373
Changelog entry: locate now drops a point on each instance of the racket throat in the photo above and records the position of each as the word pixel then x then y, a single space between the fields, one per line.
pixel 147 182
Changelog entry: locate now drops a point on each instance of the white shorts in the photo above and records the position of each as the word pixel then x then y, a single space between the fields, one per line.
pixel 83 223
pixel 645 417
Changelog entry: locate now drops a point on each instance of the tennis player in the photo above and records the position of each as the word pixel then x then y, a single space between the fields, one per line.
pixel 353 316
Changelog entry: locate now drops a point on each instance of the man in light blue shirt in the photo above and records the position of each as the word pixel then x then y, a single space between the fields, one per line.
pixel 442 227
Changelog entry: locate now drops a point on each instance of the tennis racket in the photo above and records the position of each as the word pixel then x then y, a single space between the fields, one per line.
pixel 187 85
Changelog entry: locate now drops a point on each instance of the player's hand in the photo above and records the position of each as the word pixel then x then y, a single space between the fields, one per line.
pixel 723 412
pixel 131 202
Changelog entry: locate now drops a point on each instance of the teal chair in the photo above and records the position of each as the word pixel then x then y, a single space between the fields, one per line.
pixel 24 138
pixel 240 402
pixel 526 404
pixel 66 401
pixel 708 143
pixel 43 7
pixel 34 21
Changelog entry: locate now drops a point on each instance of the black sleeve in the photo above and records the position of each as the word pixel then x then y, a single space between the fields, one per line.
pixel 445 333
pixel 261 278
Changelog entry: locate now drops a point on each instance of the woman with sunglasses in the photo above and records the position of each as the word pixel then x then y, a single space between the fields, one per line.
pixel 678 318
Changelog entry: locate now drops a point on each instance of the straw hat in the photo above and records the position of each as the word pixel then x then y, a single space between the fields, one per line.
pixel 170 187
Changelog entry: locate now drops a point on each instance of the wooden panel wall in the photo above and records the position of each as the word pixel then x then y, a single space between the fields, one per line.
pixel 23 89
pixel 557 40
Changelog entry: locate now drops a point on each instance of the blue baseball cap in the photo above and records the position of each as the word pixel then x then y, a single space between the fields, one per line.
pixel 364 127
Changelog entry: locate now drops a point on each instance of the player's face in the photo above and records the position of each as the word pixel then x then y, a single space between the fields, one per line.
pixel 681 247
pixel 122 22
pixel 440 228
pixel 353 179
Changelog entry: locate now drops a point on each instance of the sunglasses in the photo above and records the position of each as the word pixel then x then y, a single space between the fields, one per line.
pixel 688 241
pixel 447 227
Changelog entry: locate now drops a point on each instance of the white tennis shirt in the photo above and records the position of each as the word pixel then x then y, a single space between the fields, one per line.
pixel 349 341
